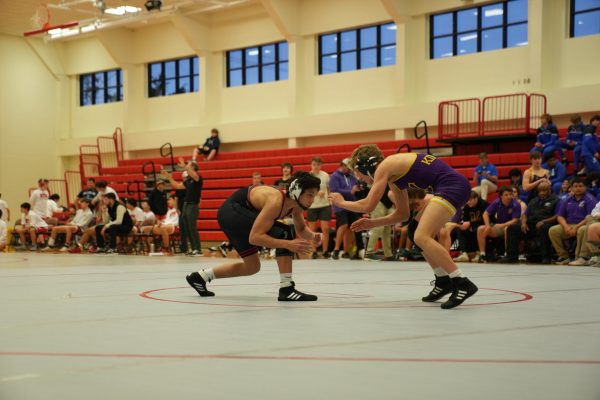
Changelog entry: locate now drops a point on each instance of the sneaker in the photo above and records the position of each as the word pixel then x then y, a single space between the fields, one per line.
pixel 21 248
pixel 481 259
pixel 196 281
pixel 111 251
pixel 289 293
pixel 442 285
pixel 101 250
pixel 326 255
pixel 462 257
pixel 343 254
pixel 314 256
pixel 390 258
pixel 579 262
pixel 462 289
pixel 196 253
pixel 361 254
pixel 75 250
pixel 65 249
pixel 546 261
pixel 33 247
pixel 561 261
pixel 335 255
pixel 223 249
pixel 48 248
pixel 508 260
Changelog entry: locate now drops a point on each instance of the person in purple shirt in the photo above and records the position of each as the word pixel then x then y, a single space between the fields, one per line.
pixel 547 137
pixel 504 211
pixel 572 218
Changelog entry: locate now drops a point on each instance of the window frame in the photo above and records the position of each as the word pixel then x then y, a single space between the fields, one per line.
pixel 277 62
pixel 191 76
pixel 94 89
pixel 573 13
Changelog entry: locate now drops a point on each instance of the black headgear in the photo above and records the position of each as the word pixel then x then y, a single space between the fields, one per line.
pixel 367 165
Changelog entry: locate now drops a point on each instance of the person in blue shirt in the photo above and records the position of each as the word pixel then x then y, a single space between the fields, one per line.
pixel 557 172
pixel 210 148
pixel 486 177
pixel 547 138
pixel 590 146
pixel 574 139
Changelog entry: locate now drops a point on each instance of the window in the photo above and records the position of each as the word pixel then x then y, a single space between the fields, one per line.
pixel 101 87
pixel 166 78
pixel 585 17
pixel 258 64
pixel 369 47
pixel 472 30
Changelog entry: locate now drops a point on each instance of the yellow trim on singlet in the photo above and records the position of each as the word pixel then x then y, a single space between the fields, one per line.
pixel 394 178
pixel 442 201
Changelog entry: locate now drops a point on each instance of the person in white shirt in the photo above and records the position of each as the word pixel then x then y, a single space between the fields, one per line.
pixel 147 225
pixel 5 210
pixel 83 218
pixel 320 210
pixel 39 199
pixel 33 224
pixel 103 188
pixel 169 225
pixel 53 208
pixel 2 232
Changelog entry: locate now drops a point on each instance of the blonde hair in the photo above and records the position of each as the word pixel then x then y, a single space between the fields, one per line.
pixel 365 151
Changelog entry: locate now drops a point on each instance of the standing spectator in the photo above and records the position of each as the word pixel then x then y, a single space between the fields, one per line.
pixel 5 210
pixel 39 199
pixel 320 210
pixel 77 226
pixel 210 148
pixel 547 138
pixel 383 208
pixel 286 176
pixel 168 226
pixel 2 232
pixel 120 224
pixel 471 218
pixel 193 189
pixel 257 179
pixel 486 177
pixel 574 139
pixel 158 199
pixel 344 182
pixel 180 197
pixel 89 192
pixel 572 214
pixel 557 173
pixel 503 211
pixel 535 224
pixel 102 188
pixel 33 224
pixel 534 176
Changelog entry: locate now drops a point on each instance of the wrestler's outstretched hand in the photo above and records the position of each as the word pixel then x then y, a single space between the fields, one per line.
pixel 363 224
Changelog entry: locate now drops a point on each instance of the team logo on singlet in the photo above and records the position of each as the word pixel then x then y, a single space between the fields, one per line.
pixel 412 185
pixel 428 159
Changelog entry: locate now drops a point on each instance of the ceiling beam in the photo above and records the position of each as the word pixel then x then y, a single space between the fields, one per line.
pixel 49 54
pixel 195 33
pixel 285 14
pixel 118 43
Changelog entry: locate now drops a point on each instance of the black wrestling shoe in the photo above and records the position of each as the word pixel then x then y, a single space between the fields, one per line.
pixel 441 287
pixel 199 284
pixel 289 293
pixel 462 289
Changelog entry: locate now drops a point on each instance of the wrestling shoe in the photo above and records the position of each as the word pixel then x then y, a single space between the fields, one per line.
pixel 289 293
pixel 199 284
pixel 441 287
pixel 462 289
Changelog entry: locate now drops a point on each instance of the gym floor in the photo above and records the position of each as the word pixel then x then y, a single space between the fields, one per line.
pixel 125 327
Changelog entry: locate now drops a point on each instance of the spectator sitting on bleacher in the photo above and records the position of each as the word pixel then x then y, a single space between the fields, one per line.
pixel 137 217
pixel 590 146
pixel 535 224
pixel 89 192
pixel 557 173
pixel 39 199
pixel 3 231
pixel 502 212
pixel 101 217
pixel 158 198
pixel 33 224
pixel 547 141
pixel 592 183
pixel 54 210
pixel 572 214
pixel 210 147
pixel 102 188
pixel 517 196
pixel 286 176
pixel 574 139
pixel 168 226
pixel 471 218
pixel 120 224
pixel 486 177
pixel 565 190
pixel 257 179
pixel 149 218
pixel 5 210
pixel 534 175
pixel 81 221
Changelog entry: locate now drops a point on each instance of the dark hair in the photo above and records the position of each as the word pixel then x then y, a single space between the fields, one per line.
pixel 289 165
pixel 307 181
pixel 473 195
pixel 514 172
pixel 84 200
pixel 101 184
pixel 54 197
pixel 595 118
pixel 503 189
pixel 26 206
pixel 578 179
pixel 317 159
pixel 132 202
pixel 91 179
pixel 111 196
pixel 575 118
pixel 535 155
pixel 513 187
pixel 214 130
pixel 591 177
pixel 547 117
pixel 482 155
pixel 549 156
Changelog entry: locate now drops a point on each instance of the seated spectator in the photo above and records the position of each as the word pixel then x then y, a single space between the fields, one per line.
pixel 516 178
pixel 3 231
pixel 486 177
pixel 210 148
pixel 565 190
pixel 102 188
pixel 120 224
pixel 547 141
pixel 516 194
pixel 54 210
pixel 5 210
pixel 33 224
pixel 286 176
pixel 571 218
pixel 535 224
pixel 81 221
pixel 158 198
pixel 590 146
pixel 39 199
pixel 557 173
pixel 168 226
pixel 574 139
pixel 147 225
pixel 471 218
pixel 101 218
pixel 502 212
pixel 257 179
pixel 534 175
pixel 89 192
pixel 593 238
pixel 592 183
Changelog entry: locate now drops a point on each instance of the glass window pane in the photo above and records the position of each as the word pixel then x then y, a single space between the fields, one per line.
pixel 442 47
pixel 268 54
pixel 86 98
pixel 235 77
pixel 466 43
pixel 329 64
pixel 368 37
pixel 252 56
pixel 170 87
pixel 111 78
pixel 120 95
pixel 491 39
pixel 442 24
pixel 466 20
pixel 99 96
pixel 121 78
pixel 517 11
pixel 235 59
pixel 112 95
pixel 251 75
pixel 516 35
pixel 184 67
pixel 581 5
pixel 86 82
pixel 99 78
pixel 368 58
pixel 329 44
pixel 156 88
pixel 349 40
pixel 388 55
pixel 196 87
pixel 283 71
pixel 155 71
pixel 349 61
pixel 587 23
pixel 283 51
pixel 170 69
pixel 492 15
pixel 195 65
pixel 184 85
pixel 388 34
pixel 268 73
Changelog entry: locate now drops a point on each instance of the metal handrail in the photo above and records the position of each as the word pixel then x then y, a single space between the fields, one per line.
pixel 169 153
pixel 139 190
pixel 153 172
pixel 425 134
pixel 405 145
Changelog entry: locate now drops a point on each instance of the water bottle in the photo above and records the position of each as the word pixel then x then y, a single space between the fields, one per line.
pixel 152 248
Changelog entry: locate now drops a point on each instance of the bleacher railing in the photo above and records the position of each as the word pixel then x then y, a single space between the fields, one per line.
pixel 110 149
pixel 421 131
pixel 459 118
pixel 74 185
pixel 60 187
pixel 166 150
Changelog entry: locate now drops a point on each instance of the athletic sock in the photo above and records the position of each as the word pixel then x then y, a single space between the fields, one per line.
pixel 50 242
pixel 457 274
pixel 207 274
pixel 439 272
pixel 285 280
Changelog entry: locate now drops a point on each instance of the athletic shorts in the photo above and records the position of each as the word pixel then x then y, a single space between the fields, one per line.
pixel 453 193
pixel 41 231
pixel 498 231
pixel 345 218
pixel 319 214
pixel 237 221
